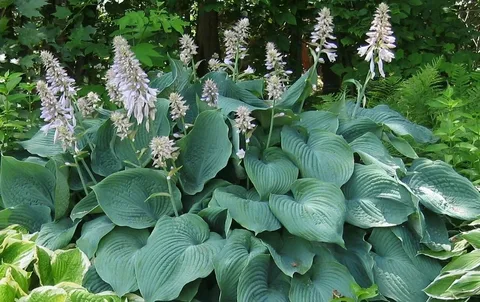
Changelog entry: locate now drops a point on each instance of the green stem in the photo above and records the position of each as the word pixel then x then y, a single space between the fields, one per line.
pixel 361 94
pixel 88 171
pixel 184 127
pixel 271 125
pixel 235 68
pixel 194 70
pixel 79 170
pixel 170 191
pixel 246 149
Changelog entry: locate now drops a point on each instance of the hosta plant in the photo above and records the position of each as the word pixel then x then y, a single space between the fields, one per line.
pixel 223 188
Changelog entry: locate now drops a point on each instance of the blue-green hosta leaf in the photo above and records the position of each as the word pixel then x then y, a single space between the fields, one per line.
pixel 94 283
pixel 321 120
pixel 400 144
pixel 326 277
pixel 104 159
pixel 116 256
pixel 26 183
pixel 46 293
pixel 92 232
pixel 53 268
pixel 353 129
pixel 31 217
pixel 57 234
pixel 62 190
pixel 322 155
pixel 299 90
pixel 246 208
pixel 372 151
pixel 17 252
pixel 219 219
pixel 179 251
pixel 228 105
pixel 204 151
pixel 316 211
pixel 400 274
pixel 123 197
pixel 262 281
pixel 41 144
pixel 442 190
pixel 382 114
pixel 375 199
pixel 356 257
pixel 241 246
pixel 86 205
pixel 291 254
pixel 271 172
pixel 254 86
pixel 431 229
pixel 197 202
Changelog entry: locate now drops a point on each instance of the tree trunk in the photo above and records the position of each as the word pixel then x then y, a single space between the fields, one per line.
pixel 207 37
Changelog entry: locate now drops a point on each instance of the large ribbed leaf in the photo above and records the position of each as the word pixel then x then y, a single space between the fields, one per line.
pixel 62 190
pixel 353 129
pixel 31 217
pixel 240 247
pixel 291 254
pixel 431 229
pixel 92 232
pixel 93 282
pixel 326 278
pixel 271 172
pixel 179 251
pixel 375 199
pixel 246 208
pixel 42 144
pixel 356 257
pixel 399 272
pixel 104 159
pixel 228 105
pixel 372 151
pixel 116 257
pixel 322 155
pixel 86 205
pixel 204 151
pixel 57 234
pixel 219 219
pixel 262 281
pixel 26 183
pixel 382 114
pixel 316 211
pixel 299 90
pixel 123 197
pixel 443 190
pixel 321 120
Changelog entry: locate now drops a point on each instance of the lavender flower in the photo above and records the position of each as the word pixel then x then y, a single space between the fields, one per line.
pixel 188 49
pixel 275 87
pixel 210 93
pixel 88 104
pixel 121 123
pixel 163 149
pixel 243 120
pixel 57 79
pixel 323 31
pixel 236 41
pixel 178 109
pixel 131 81
pixel 380 41
pixel 278 76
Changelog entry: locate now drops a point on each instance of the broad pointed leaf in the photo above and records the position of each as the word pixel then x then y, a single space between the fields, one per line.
pixel 321 120
pixel 92 232
pixel 57 234
pixel 31 217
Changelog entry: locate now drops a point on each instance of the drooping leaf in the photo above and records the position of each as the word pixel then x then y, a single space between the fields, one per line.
pixel 442 190
pixel 291 254
pixel 326 278
pixel 300 90
pixel 372 151
pixel 350 130
pixel 94 283
pixel 86 205
pixel 375 199
pixel 271 172
pixel 322 155
pixel 246 208
pixel 179 251
pixel 57 234
pixel 241 246
pixel 262 281
pixel 204 151
pixel 219 219
pixel 92 232
pixel 41 144
pixel 431 229
pixel 399 272
pixel 123 197
pixel 116 256
pixel 321 120
pixel 62 190
pixel 316 212
pixel 26 183
pixel 104 159
pixel 31 217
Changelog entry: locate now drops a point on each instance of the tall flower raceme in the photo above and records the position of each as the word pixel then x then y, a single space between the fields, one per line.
pixel 127 78
pixel 243 120
pixel 163 149
pixel 322 33
pixel 188 49
pixel 235 40
pixel 210 93
pixel 88 104
pixel 121 123
pixel 178 107
pixel 380 41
